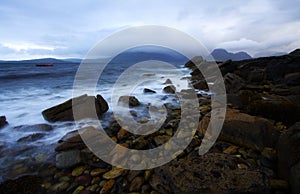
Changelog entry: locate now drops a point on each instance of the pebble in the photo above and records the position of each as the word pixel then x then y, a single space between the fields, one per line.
pixel 97 171
pixel 279 184
pixel 78 171
pixel 61 186
pixel 269 153
pixel 78 189
pixel 231 150
pixel 93 187
pixel 96 180
pixel 64 179
pixel 83 179
pixel 114 173
pixel 107 186
pixel 122 134
pixel 242 166
pixel 147 175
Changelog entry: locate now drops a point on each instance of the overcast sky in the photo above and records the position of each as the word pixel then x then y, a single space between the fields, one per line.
pixel 69 28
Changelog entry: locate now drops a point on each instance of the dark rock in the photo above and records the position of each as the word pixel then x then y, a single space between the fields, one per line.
pixel 288 149
pixel 195 60
pixel 37 127
pixel 89 107
pixel 72 140
pixel 209 173
pixel 67 159
pixel 31 138
pixel 257 75
pixel 245 130
pixel 201 85
pixel 295 52
pixel 136 184
pixel 292 79
pixel 130 100
pixel 146 90
pixel 30 184
pixel 170 89
pixel 83 179
pixel 233 83
pixel 3 121
pixel 168 81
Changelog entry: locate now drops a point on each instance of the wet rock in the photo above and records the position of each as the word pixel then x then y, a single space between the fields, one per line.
pixel 83 179
pixel 37 127
pixel 136 184
pixel 257 75
pixel 3 121
pixel 170 89
pixel 159 140
pixel 72 140
pixel 107 186
pixel 288 149
pixel 231 150
pixel 68 159
pixel 78 170
pixel 122 134
pixel 146 90
pixel 97 171
pixel 210 173
pixel 245 130
pixel 59 187
pixel 193 62
pixel 89 106
pixel 31 138
pixel 168 81
pixel 30 184
pixel 114 173
pixel 201 85
pixel 129 100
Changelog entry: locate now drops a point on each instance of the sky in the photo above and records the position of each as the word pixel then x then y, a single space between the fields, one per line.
pixel 69 29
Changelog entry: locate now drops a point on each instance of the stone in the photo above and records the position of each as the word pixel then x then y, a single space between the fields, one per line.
pixel 3 121
pixel 114 173
pixel 78 170
pixel 168 81
pixel 72 140
pixel 170 89
pixel 67 159
pixel 193 62
pixel 288 152
pixel 83 179
pixel 107 187
pixel 31 138
pixel 97 171
pixel 59 187
pixel 244 130
pixel 146 90
pixel 159 140
pixel 89 106
pixel 231 150
pixel 122 134
pixel 209 173
pixel 129 100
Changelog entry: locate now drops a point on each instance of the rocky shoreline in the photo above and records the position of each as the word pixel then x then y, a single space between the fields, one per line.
pixel 256 152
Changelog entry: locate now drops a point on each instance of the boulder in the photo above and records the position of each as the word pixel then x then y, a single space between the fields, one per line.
pixel 209 173
pixel 31 138
pixel 195 60
pixel 245 130
pixel 288 150
pixel 72 140
pixel 168 81
pixel 89 106
pixel 170 89
pixel 130 100
pixel 3 121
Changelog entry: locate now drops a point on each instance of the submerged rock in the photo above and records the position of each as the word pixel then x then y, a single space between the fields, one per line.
pixel 147 90
pixel 31 138
pixel 89 107
pixel 209 173
pixel 68 159
pixel 37 127
pixel 3 121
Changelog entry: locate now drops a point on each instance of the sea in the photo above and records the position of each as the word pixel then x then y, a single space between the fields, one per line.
pixel 27 90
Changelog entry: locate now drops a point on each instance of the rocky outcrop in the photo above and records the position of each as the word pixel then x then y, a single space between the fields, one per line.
pixel 88 107
pixel 209 173
pixel 289 156
pixel 3 121
pixel 245 130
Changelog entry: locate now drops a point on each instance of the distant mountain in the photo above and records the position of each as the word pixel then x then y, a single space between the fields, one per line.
pixel 269 54
pixel 73 60
pixel 37 61
pixel 223 55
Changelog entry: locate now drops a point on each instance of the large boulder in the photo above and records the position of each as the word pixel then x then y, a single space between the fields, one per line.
pixel 89 107
pixel 245 130
pixel 3 121
pixel 209 173
pixel 288 149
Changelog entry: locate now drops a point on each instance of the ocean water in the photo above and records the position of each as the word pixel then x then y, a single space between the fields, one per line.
pixel 27 90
